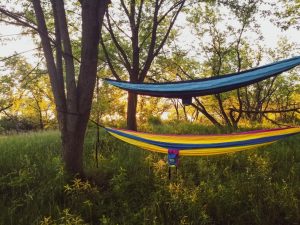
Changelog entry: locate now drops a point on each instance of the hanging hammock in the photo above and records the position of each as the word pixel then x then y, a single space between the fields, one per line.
pixel 208 86
pixel 202 145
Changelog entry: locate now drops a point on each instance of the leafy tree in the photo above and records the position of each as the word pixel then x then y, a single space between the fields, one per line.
pixel 109 103
pixel 287 14
pixel 72 89
pixel 29 90
pixel 137 31
pixel 224 50
pixel 6 95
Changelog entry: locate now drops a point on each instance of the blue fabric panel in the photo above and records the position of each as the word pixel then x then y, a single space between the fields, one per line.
pixel 180 146
pixel 209 86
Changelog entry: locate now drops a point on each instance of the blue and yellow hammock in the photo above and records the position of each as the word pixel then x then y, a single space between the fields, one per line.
pixel 201 145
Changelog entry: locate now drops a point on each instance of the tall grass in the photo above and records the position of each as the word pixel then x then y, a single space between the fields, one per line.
pixel 131 185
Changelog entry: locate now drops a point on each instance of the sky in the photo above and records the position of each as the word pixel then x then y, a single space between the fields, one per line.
pixel 271 33
pixel 18 44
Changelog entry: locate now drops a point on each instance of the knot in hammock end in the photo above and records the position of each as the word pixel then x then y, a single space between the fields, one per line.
pixel 173 157
pixel 173 160
pixel 186 101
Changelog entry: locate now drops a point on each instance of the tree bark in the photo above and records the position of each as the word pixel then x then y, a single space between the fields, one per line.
pixel 72 142
pixel 131 111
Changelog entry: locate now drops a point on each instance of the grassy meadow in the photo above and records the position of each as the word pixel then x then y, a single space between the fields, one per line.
pixel 131 186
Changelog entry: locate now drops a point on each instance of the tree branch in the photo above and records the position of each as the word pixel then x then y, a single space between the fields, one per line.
pixel 125 8
pixel 108 59
pixel 119 28
pixel 202 109
pixel 181 2
pixel 138 21
pixel 266 111
pixel 69 63
pixel 20 22
pixel 5 108
pixel 116 43
pixel 58 45
pixel 274 122
pixel 58 91
pixel 155 52
pixel 150 55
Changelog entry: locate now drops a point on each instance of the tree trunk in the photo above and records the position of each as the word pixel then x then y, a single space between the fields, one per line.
pixel 74 133
pixel 177 110
pixel 72 151
pixel 185 114
pixel 222 110
pixel 73 110
pixel 39 112
pixel 72 141
pixel 41 121
pixel 131 111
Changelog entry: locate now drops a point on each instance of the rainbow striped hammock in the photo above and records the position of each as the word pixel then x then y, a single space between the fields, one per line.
pixel 201 145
